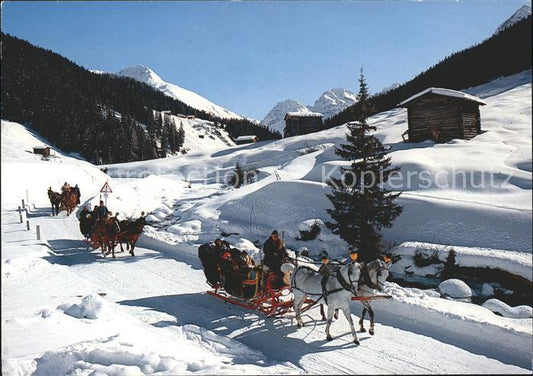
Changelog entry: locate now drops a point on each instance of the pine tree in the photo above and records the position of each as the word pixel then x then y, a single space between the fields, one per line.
pixel 181 137
pixel 361 206
pixel 237 178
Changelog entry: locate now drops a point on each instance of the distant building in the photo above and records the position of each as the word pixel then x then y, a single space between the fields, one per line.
pixel 302 123
pixel 246 139
pixel 442 115
pixel 42 150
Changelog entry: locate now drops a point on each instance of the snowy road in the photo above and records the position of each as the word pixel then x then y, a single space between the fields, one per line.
pixel 164 287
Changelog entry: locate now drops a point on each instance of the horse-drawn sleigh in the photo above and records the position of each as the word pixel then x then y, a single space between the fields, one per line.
pixel 67 200
pixel 235 279
pixel 108 232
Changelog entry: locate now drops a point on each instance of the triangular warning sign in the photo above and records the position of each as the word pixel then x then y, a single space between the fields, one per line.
pixel 106 189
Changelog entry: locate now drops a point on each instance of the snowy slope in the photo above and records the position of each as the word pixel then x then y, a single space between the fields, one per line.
pixel 144 74
pixel 153 315
pixel 523 12
pixel 201 135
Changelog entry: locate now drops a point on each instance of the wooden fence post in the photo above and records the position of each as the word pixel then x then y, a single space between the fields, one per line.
pixel 38 230
pixel 28 225
pixel 23 203
pixel 20 215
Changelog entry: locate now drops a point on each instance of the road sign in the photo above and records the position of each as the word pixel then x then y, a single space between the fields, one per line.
pixel 106 189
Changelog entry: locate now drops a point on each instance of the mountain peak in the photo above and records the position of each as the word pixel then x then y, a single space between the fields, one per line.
pixel 523 12
pixel 333 101
pixel 141 73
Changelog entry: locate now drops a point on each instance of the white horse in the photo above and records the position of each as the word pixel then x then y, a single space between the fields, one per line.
pixel 337 291
pixel 373 277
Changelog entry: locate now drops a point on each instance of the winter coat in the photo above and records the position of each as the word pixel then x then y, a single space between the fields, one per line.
pixel 101 212
pixel 274 255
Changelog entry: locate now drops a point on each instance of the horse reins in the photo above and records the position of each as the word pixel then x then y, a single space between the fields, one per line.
pixel 325 293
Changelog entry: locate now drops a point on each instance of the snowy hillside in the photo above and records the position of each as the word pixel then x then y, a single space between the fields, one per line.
pixel 144 74
pixel 522 13
pixel 328 104
pixel 201 135
pixel 149 314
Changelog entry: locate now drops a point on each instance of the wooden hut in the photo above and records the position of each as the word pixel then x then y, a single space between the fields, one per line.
pixel 42 150
pixel 442 114
pixel 302 123
pixel 246 139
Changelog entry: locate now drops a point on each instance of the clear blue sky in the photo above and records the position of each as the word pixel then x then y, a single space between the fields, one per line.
pixel 247 56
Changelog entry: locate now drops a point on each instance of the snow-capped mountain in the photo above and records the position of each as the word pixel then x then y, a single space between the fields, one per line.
pixel 334 101
pixel 274 120
pixel 520 14
pixel 144 74
pixel 331 102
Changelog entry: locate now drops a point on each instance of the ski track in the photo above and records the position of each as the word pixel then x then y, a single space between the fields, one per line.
pixel 152 287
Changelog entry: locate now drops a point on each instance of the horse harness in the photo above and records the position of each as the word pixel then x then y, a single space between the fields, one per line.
pixel 366 280
pixel 325 293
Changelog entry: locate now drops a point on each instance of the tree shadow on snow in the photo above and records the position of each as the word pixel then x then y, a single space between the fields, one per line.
pixel 270 336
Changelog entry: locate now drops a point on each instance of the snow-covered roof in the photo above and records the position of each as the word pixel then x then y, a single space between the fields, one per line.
pixel 444 92
pixel 304 114
pixel 246 138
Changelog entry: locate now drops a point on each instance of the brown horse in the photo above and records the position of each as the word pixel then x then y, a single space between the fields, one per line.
pixel 105 235
pixel 130 233
pixel 69 200
pixel 55 200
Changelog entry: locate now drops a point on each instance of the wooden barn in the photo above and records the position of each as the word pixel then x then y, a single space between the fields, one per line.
pixel 442 115
pixel 246 139
pixel 302 123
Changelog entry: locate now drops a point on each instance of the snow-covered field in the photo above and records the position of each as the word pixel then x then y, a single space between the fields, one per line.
pixel 68 310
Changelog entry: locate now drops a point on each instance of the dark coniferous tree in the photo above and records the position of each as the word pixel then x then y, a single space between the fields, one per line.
pixel 180 137
pixel 361 206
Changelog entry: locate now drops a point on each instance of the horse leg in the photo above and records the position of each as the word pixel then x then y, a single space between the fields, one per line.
pixel 131 249
pixel 363 313
pixel 297 305
pixel 329 321
pixel 322 312
pixel 347 314
pixel 371 311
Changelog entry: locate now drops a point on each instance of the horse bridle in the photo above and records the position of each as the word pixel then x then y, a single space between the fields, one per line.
pixel 378 273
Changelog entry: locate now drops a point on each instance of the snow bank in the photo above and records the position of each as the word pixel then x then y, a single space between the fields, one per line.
pixel 513 262
pixel 519 312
